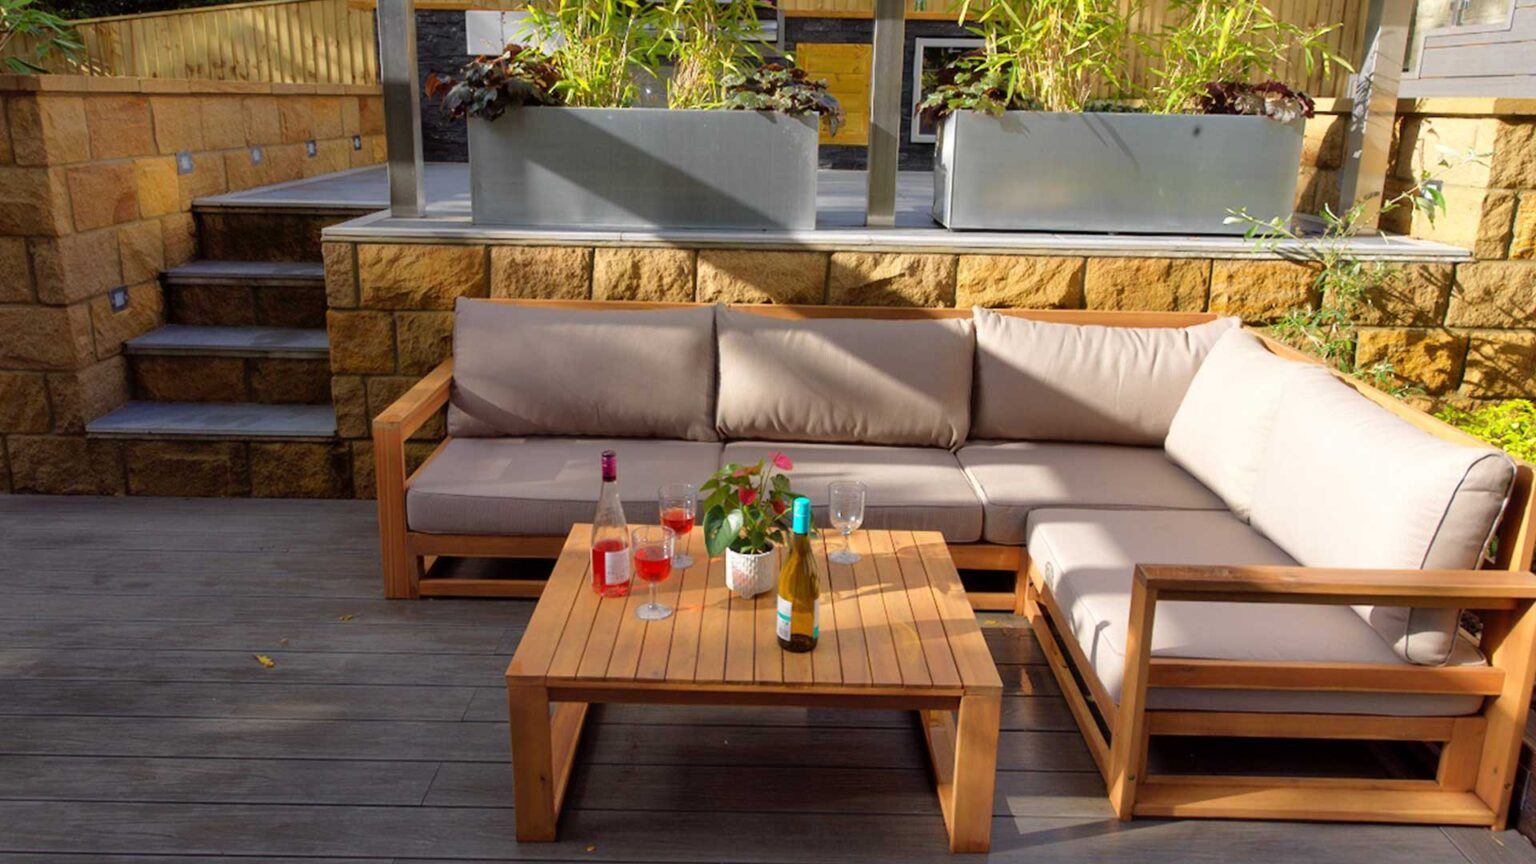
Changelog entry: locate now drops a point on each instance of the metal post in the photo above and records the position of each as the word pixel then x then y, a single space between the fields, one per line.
pixel 885 111
pixel 1368 145
pixel 402 106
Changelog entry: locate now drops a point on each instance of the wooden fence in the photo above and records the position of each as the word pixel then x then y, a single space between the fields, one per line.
pixel 286 41
pixel 1149 17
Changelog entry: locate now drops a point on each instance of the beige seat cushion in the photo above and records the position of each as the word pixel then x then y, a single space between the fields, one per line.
pixel 1016 477
pixel 1087 556
pixel 845 380
pixel 910 488
pixel 541 486
pixel 1039 381
pixel 525 370
pixel 1346 483
pixel 1222 427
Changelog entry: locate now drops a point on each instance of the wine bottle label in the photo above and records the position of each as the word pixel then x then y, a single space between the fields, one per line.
pixel 786 617
pixel 616 567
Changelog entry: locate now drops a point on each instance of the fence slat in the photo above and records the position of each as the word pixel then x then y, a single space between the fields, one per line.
pixel 302 41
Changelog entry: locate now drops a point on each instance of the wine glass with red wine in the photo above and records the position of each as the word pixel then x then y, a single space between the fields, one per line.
pixel 679 503
pixel 653 546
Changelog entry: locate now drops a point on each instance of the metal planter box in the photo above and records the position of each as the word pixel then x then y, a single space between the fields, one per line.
pixel 643 168
pixel 1130 173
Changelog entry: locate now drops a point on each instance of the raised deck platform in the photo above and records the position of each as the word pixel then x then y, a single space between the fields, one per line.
pixel 840 206
pixel 139 722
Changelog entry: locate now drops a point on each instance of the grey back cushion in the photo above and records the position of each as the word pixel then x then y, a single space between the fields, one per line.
pixel 1222 427
pixel 845 380
pixel 1041 381
pixel 527 370
pixel 1346 483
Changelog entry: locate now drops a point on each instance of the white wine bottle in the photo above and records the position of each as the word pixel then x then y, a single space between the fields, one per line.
pixel 799 619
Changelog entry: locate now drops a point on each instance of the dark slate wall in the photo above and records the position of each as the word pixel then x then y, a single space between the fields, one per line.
pixel 440 47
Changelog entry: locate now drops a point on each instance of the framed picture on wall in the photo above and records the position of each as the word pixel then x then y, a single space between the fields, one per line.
pixel 929 55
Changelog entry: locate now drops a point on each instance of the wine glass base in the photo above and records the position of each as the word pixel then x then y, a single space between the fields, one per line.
pixel 843 556
pixel 652 612
pixel 682 562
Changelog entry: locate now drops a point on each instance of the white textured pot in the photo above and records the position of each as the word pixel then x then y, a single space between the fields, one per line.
pixel 751 574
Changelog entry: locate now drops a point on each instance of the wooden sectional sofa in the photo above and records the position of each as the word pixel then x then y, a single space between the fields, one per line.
pixel 1213 536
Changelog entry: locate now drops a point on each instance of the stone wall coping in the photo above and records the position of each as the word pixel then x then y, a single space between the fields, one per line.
pixel 448 230
pixel 171 86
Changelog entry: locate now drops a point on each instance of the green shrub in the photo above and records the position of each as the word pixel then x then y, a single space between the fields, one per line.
pixel 1510 425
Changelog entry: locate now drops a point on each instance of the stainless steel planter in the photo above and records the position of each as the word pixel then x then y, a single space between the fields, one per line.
pixel 1129 173
pixel 643 168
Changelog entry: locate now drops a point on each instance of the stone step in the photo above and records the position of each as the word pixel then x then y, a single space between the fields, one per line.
pixel 210 272
pixel 160 377
pixel 216 420
pixel 246 294
pixel 184 339
pixel 259 233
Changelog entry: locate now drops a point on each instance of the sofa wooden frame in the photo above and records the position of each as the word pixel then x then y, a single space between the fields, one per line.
pixel 1478 753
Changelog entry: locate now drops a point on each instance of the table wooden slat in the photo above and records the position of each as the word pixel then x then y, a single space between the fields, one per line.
pixel 970 650
pixel 884 669
pixel 682 649
pixel 825 666
pixel 898 611
pixel 853 657
pixel 656 636
pixel 741 640
pixel 572 570
pixel 925 612
pixel 714 628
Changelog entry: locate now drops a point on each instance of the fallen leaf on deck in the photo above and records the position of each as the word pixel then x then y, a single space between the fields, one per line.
pixel 347 617
pixel 264 660
pixel 283 642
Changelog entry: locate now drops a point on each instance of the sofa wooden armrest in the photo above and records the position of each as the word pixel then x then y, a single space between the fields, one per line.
pixel 416 405
pixel 390 429
pixel 1479 751
pixel 1455 589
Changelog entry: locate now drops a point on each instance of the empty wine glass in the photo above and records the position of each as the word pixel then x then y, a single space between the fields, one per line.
pixel 653 545
pixel 679 504
pixel 846 500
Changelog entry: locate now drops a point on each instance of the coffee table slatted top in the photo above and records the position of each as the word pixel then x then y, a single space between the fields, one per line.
pixel 898 621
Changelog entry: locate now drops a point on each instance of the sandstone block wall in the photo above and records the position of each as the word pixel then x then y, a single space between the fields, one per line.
pixel 91 200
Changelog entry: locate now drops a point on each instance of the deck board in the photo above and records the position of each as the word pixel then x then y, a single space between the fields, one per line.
pixel 139 727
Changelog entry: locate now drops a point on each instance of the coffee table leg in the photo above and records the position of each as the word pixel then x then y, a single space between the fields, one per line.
pixel 964 757
pixel 533 765
pixel 975 773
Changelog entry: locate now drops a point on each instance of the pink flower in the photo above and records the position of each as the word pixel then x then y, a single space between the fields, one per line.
pixel 747 496
pixel 782 462
pixel 741 472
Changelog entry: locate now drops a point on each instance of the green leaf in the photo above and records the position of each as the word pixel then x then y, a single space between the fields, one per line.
pixel 721 529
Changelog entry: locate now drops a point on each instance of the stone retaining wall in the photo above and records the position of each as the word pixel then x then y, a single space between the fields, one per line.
pixel 91 200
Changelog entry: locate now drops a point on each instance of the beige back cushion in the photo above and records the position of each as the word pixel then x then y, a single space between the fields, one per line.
pixel 1345 483
pixel 844 380
pixel 1221 430
pixel 526 370
pixel 1039 381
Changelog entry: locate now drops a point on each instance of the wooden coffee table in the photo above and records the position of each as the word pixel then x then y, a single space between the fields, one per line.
pixel 896 633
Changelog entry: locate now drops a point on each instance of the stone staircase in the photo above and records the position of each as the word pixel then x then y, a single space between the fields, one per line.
pixel 232 396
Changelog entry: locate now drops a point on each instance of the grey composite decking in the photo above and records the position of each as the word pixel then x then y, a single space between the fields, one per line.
pixel 138 726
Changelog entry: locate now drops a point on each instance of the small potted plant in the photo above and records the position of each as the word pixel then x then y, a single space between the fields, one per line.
pixel 746 516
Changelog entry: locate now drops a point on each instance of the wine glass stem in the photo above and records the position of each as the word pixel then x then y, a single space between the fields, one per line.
pixel 653 596
pixel 847 543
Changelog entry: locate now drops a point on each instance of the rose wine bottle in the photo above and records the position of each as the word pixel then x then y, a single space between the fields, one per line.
pixel 610 535
pixel 799 619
